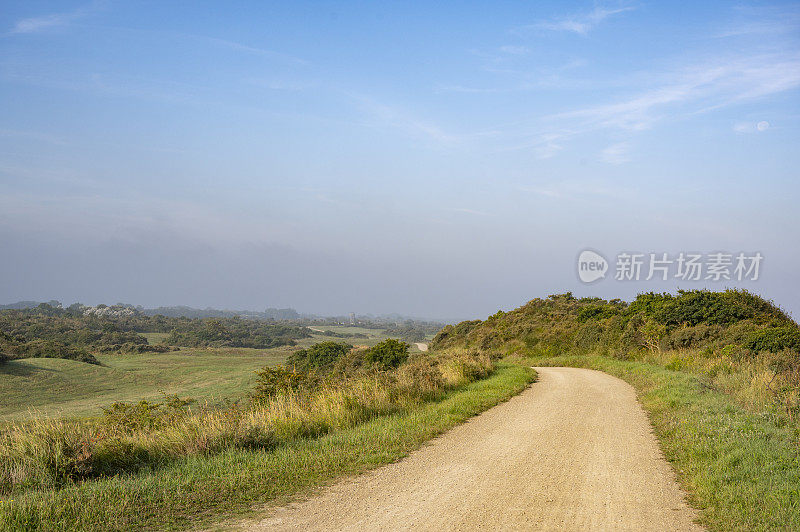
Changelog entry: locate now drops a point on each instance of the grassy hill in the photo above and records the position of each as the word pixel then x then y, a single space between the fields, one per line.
pixel 739 342
pixel 717 372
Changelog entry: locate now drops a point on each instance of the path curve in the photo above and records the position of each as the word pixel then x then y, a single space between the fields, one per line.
pixel 575 451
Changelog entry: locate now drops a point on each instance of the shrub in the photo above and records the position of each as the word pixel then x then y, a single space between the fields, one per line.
pixel 321 356
pixel 277 380
pixel 694 336
pixel 144 415
pixel 774 339
pixel 388 354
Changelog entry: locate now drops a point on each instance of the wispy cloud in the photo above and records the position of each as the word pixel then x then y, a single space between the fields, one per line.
pixel 53 20
pixel 581 23
pixel 395 117
pixel 254 50
pixel 548 146
pixel 616 153
pixel 670 95
pixel 685 92
pixel 751 127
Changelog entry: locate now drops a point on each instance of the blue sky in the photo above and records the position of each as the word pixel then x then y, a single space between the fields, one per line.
pixel 444 160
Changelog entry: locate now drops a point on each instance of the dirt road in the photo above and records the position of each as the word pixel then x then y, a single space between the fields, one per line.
pixel 573 452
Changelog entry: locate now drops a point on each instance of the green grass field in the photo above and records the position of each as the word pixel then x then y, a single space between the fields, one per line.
pixel 56 387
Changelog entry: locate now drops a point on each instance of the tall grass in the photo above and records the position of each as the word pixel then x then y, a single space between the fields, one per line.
pixel 48 454
pixel 765 383
pixel 201 489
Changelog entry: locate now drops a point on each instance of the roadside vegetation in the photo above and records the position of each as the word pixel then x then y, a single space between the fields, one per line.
pixel 718 373
pixel 126 469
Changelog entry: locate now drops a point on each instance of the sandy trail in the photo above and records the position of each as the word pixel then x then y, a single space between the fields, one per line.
pixel 421 346
pixel 575 451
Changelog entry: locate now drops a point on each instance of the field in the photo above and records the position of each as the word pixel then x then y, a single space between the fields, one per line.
pixel 57 387
pixel 347 428
pixel 373 336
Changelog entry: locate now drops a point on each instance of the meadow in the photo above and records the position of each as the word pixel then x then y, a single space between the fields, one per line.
pixel 50 387
pixel 56 387
pixel 162 466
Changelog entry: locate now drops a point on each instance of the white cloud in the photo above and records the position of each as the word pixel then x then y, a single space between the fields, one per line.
pixel 583 23
pixel 699 89
pixel 751 127
pixel 45 22
pixel 616 153
pixel 548 148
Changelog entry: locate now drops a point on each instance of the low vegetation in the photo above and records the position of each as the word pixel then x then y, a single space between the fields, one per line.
pixel 718 372
pixel 338 389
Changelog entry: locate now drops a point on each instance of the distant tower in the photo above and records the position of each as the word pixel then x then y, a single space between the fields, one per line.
pixel 352 318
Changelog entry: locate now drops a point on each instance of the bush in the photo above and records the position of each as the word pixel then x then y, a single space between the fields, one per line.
pixel 51 349
pixel 144 415
pixel 321 356
pixel 388 354
pixel 774 340
pixel 277 380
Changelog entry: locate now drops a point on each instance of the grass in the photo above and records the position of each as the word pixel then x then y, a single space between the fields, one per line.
pixel 741 468
pixel 200 489
pixel 374 336
pixel 155 337
pixel 57 387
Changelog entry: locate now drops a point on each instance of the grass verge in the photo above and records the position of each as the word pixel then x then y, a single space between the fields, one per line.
pixel 201 489
pixel 740 468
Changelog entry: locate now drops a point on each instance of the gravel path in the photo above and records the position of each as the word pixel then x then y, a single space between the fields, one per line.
pixel 574 451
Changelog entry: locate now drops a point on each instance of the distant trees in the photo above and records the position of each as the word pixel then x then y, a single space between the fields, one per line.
pixel 47 330
pixel 233 332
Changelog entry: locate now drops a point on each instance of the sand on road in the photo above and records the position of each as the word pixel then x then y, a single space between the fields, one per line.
pixel 575 451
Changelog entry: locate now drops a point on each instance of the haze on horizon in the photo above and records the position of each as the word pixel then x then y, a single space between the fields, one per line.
pixel 439 161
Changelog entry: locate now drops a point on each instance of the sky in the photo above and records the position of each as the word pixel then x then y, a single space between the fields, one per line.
pixel 440 160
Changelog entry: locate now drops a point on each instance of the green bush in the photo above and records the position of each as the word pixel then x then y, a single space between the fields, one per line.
pixel 272 381
pixel 144 415
pixel 774 340
pixel 321 356
pixel 388 354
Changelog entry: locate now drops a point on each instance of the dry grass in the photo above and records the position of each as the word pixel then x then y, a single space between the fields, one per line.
pixel 49 453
